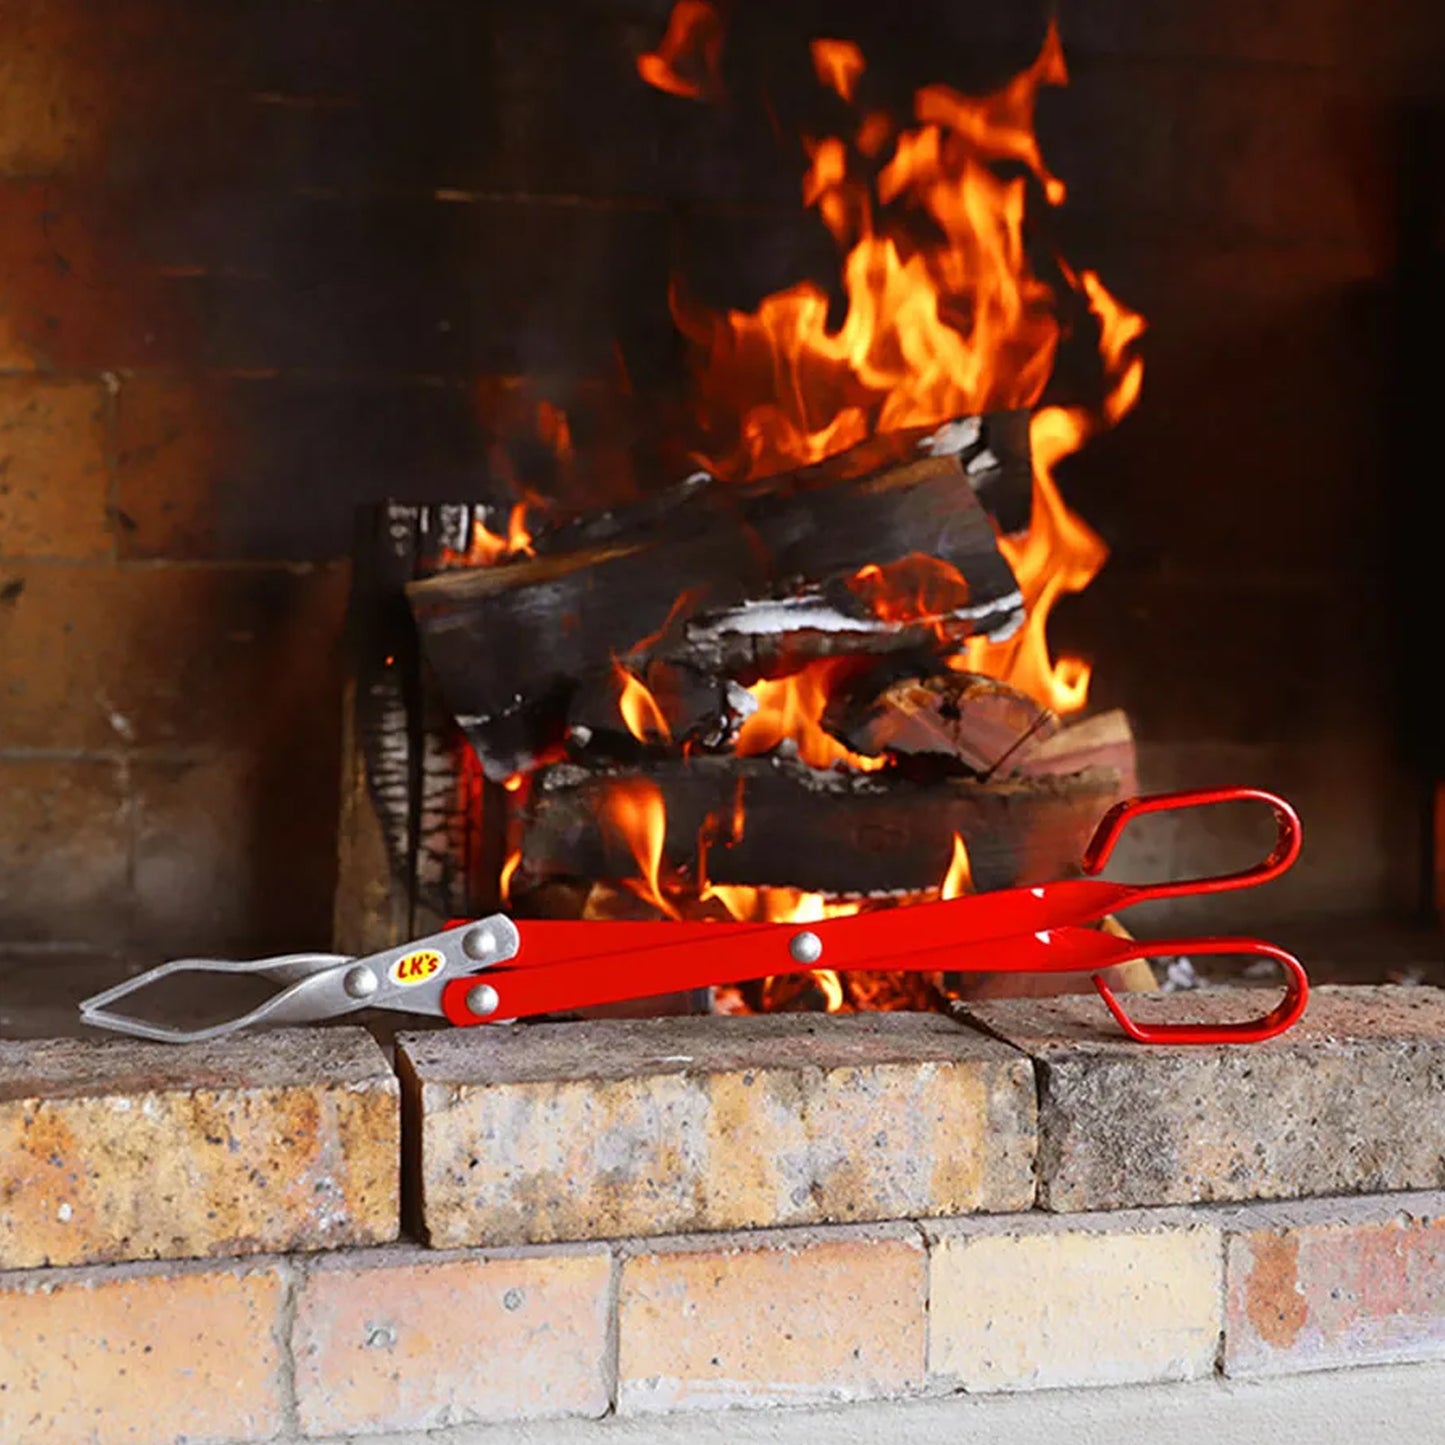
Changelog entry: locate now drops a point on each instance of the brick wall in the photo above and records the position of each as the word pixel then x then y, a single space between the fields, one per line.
pixel 255 262
pixel 755 1212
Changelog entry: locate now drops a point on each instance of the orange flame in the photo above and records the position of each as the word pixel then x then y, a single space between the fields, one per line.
pixel 792 708
pixel 644 718
pixel 514 859
pixel 1059 553
pixel 689 59
pixel 945 317
pixel 959 878
pixel 936 326
pixel 915 588
pixel 634 810
pixel 486 547
pixel 839 63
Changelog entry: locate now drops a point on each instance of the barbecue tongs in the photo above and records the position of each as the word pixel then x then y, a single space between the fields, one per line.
pixel 497 969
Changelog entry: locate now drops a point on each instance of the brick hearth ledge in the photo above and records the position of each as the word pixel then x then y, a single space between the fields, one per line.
pixel 684 1214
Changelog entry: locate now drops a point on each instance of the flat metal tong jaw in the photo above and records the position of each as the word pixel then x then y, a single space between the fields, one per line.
pixel 317 986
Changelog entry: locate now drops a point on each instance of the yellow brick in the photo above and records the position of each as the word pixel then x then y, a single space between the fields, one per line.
pixel 390 1341
pixel 772 1318
pixel 611 1128
pixel 135 1151
pixel 1046 1306
pixel 140 1355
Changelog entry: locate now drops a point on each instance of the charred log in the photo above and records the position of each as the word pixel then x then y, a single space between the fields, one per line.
pixel 765 821
pixel 700 573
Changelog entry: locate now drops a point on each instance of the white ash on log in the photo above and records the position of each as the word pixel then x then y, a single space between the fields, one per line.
pixel 512 643
pixel 769 821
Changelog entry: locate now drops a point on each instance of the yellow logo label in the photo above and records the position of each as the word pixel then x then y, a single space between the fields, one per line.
pixel 414 968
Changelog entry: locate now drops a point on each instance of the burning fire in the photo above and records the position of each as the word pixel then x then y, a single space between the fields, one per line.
pixel 946 314
pixel 635 814
pixel 486 548
pixel 791 708
pixel 945 317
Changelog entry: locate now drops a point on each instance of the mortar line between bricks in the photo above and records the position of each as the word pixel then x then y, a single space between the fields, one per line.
pixel 1223 1342
pixel 925 1378
pixel 293 1277
pixel 612 1338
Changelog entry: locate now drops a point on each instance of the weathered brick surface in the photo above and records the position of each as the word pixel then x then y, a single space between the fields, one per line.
pixel 772 1318
pixel 54 478
pixel 610 1128
pixel 1028 1302
pixel 1330 1283
pixel 141 1354
pixel 1345 1103
pixel 102 656
pixel 235 852
pixel 399 1341
pixel 64 848
pixel 126 1150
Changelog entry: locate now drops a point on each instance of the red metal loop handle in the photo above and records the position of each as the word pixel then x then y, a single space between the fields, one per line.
pixel 1284 1015
pixel 1282 856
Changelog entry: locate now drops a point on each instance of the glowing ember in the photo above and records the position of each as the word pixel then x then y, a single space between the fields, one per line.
pixel 913 589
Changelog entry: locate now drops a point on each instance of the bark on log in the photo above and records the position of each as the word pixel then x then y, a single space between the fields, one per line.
pixel 511 643
pixel 765 821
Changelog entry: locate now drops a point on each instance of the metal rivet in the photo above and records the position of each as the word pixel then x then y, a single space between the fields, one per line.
pixel 483 1000
pixel 360 982
pixel 806 947
pixel 479 943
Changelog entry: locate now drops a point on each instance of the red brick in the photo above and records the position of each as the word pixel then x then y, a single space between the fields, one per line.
pixel 160 1355
pixel 1332 1284
pixel 772 1318
pixel 405 1341
pixel 54 478
pixel 65 849
pixel 100 656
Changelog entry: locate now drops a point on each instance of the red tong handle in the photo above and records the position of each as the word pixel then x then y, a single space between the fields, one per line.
pixel 1281 857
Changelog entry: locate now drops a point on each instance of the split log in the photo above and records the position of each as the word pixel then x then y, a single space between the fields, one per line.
pixel 766 821
pixel 1104 742
pixel 512 643
pixel 959 718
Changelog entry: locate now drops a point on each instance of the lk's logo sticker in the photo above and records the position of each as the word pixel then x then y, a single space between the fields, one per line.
pixel 414 968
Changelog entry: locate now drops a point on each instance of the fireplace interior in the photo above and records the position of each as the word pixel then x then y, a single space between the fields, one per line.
pixel 393 527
